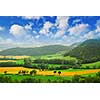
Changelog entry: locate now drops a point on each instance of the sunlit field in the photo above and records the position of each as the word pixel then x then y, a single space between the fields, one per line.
pixel 14 57
pixel 15 70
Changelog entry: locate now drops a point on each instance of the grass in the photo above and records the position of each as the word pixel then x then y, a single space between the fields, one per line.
pixel 68 72
pixel 18 61
pixel 56 56
pixel 91 65
pixel 44 79
pixel 21 61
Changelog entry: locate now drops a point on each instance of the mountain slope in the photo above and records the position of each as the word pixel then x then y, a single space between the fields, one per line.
pixel 37 51
pixel 88 51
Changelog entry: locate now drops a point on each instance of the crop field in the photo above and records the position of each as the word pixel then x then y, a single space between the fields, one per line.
pixel 45 75
pixel 14 70
pixel 7 60
pixel 14 57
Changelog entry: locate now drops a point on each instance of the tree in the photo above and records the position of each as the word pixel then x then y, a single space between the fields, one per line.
pixel 55 72
pixel 76 78
pixel 19 72
pixel 59 72
pixel 27 63
pixel 98 74
pixel 23 72
pixel 5 72
pixel 33 72
pixel 49 80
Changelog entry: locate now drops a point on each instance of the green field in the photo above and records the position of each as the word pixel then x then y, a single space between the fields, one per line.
pixel 91 65
pixel 86 72
pixel 9 78
pixel 43 79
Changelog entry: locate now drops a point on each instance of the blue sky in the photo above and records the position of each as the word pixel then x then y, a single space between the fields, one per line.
pixel 33 31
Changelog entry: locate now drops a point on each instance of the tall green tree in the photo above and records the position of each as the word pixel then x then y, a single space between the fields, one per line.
pixel 33 72
pixel 59 72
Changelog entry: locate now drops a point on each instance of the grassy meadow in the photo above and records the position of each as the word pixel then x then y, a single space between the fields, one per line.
pixel 18 72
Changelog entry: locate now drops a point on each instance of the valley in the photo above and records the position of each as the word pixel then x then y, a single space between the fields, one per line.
pixel 76 65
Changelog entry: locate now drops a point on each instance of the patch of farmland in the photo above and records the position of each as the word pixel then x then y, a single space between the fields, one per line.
pixel 15 70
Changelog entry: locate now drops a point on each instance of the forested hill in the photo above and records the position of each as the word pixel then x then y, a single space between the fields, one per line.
pixel 88 51
pixel 37 51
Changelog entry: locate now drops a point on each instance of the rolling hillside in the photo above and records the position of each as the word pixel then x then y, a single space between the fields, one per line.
pixel 37 51
pixel 88 51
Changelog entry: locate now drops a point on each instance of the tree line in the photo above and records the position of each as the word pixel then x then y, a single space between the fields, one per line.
pixel 10 64
pixel 48 64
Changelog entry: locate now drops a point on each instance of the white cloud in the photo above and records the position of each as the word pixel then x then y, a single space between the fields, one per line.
pixel 89 35
pixel 62 24
pixel 78 29
pixel 37 36
pixel 17 30
pixel 32 17
pixel 98 23
pixel 28 26
pixel 97 29
pixel 97 26
pixel 34 32
pixel 46 28
pixel 65 37
pixel 59 33
pixel 1 28
pixel 22 33
pixel 76 21
pixel 6 43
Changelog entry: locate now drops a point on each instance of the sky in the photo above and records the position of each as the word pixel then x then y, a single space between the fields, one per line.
pixel 34 31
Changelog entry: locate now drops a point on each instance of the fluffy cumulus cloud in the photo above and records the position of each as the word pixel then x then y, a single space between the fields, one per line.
pixel 97 26
pixel 62 22
pixel 97 29
pixel 64 34
pixel 1 28
pixel 17 30
pixel 89 35
pixel 62 25
pixel 20 31
pixel 78 29
pixel 77 33
pixel 60 33
pixel 22 34
pixel 96 32
pixel 45 30
pixel 28 26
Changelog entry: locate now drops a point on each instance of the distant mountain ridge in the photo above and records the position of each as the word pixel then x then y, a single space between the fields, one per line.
pixel 36 51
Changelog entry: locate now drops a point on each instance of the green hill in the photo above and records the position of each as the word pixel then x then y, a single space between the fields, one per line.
pixel 37 51
pixel 88 51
